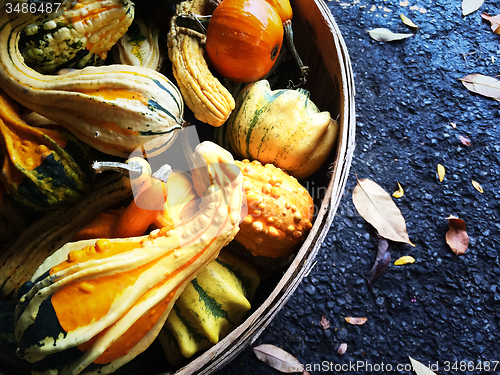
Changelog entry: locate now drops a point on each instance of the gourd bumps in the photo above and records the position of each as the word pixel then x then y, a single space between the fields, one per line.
pixel 280 210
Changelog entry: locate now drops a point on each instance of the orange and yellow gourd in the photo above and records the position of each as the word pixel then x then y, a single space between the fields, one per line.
pixel 280 210
pixel 96 304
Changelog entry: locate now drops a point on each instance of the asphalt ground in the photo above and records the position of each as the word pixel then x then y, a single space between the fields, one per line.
pixel 442 310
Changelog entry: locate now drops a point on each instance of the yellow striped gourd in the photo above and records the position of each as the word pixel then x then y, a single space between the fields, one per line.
pixel 116 108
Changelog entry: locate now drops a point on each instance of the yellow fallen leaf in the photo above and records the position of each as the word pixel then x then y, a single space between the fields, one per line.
pixel 408 22
pixel 356 321
pixel 399 193
pixel 477 186
pixel 441 171
pixel 404 260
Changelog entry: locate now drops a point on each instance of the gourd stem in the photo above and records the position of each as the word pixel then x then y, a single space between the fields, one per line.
pixel 304 69
pixel 132 169
pixel 193 22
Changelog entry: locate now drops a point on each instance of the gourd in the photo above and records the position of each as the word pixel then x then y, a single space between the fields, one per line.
pixel 139 46
pixel 20 259
pixel 280 211
pixel 244 38
pixel 150 207
pixel 13 217
pixel 210 307
pixel 281 127
pixel 42 168
pixel 78 34
pixel 97 304
pixel 204 94
pixel 115 109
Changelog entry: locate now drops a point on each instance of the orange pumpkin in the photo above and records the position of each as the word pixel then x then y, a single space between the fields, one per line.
pixel 244 38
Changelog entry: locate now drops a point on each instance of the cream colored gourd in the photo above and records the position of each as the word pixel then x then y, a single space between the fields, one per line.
pixel 283 127
pixel 103 302
pixel 139 46
pixel 115 108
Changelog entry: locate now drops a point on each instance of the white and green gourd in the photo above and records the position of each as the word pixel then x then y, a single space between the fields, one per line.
pixel 281 127
pixel 115 109
pixel 140 45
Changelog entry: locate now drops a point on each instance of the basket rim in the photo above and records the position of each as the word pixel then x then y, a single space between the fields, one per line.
pixel 246 333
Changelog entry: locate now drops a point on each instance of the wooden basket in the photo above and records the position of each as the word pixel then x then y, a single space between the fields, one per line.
pixel 331 84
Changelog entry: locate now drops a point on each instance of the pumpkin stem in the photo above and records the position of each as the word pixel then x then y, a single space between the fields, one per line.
pixel 304 69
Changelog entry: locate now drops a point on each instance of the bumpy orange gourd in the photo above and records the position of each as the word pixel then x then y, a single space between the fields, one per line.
pixel 244 38
pixel 280 210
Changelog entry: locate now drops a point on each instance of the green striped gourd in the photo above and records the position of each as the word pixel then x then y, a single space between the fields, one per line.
pixel 97 304
pixel 210 307
pixel 281 127
pixel 42 168
pixel 115 109
pixel 74 35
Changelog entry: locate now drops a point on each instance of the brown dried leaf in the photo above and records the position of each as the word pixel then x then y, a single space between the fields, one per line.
pixel 465 141
pixel 342 348
pixel 470 6
pixel 456 237
pixel 385 35
pixel 494 20
pixel 420 368
pixel 356 321
pixel 278 359
pixel 482 85
pixel 376 206
pixel 325 323
pixel 381 263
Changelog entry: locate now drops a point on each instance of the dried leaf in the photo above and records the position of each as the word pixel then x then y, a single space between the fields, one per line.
pixel 385 35
pixel 419 368
pixel 376 206
pixel 482 85
pixel 457 237
pixel 494 20
pixel 404 260
pixel 441 172
pixel 465 141
pixel 477 186
pixel 356 321
pixel 278 359
pixel 470 6
pixel 399 193
pixel 408 22
pixel 382 262
pixel 342 348
pixel 325 323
